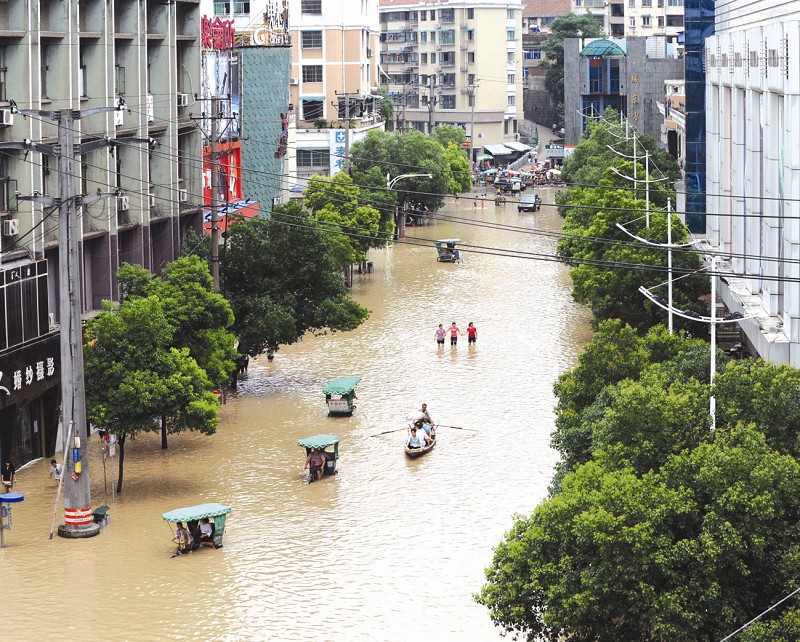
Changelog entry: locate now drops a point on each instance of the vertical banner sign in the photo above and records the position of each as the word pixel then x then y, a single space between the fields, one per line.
pixel 337 150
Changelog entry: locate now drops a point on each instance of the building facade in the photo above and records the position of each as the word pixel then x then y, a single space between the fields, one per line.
pixel 457 62
pixel 752 192
pixel 78 56
pixel 636 18
pixel 333 84
pixel 628 75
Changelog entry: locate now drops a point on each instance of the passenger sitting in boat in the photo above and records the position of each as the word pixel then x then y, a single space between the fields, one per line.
pixel 424 426
pixel 316 463
pixel 418 438
pixel 206 531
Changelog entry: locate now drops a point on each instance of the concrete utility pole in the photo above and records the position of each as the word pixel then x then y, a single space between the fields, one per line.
pixel 346 96
pixel 432 105
pixel 472 87
pixel 78 520
pixel 214 188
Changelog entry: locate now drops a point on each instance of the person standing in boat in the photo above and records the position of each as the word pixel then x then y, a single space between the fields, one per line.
pixel 425 415
pixel 440 335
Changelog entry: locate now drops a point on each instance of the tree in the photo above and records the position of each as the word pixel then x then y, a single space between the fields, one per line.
pixel 134 375
pixel 569 26
pixel 385 105
pixel 201 319
pixel 446 134
pixel 282 279
pixel 339 205
pixel 677 554
pixel 411 153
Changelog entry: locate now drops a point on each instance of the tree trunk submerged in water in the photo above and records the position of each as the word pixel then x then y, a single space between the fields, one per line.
pixel 121 462
pixel 163 432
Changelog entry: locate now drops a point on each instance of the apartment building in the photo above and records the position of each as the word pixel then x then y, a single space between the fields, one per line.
pixel 636 18
pixel 457 62
pixel 77 56
pixel 537 16
pixel 334 80
pixel 752 168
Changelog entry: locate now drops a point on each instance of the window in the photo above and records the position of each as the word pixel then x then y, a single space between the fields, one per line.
pixel 423 36
pixel 433 15
pixel 241 7
pixel 313 157
pixel 509 14
pixel 660 22
pixel 447 15
pixel 312 73
pixel 45 50
pixel 433 36
pixel 510 56
pixel 512 100
pixel 312 109
pixel 311 6
pixel 423 14
pixel 433 58
pixel 470 14
pixel 537 54
pixel 578 4
pixel 3 73
pixel 83 78
pixel 511 79
pixel 447 101
pixel 632 4
pixel 511 34
pixel 674 3
pixel 222 8
pixel 470 35
pixel 424 58
pixel 647 3
pixel 632 22
pixel 311 40
pixel 447 59
pixel 470 57
pixel 471 79
pixel 674 21
pixel 447 37
pixel 548 20
pixel 645 21
pixel 447 80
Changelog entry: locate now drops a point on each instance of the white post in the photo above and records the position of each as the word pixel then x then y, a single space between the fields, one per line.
pixel 647 186
pixel 713 399
pixel 669 261
pixel 635 184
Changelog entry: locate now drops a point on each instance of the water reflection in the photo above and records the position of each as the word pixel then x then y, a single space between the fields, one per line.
pixel 351 556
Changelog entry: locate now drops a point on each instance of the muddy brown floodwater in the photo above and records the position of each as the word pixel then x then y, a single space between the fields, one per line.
pixel 390 549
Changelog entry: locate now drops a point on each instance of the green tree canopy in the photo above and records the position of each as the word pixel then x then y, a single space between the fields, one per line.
pixel 282 278
pixel 134 374
pixel 446 134
pixel 412 153
pixel 681 553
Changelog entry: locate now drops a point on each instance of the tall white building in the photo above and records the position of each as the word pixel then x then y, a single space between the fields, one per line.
pixel 457 62
pixel 753 168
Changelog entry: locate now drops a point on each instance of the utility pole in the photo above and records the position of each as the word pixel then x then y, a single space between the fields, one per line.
pixel 78 519
pixel 214 188
pixel 472 136
pixel 432 105
pixel 347 133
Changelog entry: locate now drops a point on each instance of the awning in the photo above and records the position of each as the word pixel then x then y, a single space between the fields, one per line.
pixel 342 385
pixel 498 150
pixel 518 147
pixel 196 513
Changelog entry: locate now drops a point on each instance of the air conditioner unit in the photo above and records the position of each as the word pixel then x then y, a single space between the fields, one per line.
pixel 118 118
pixel 6 117
pixel 152 200
pixel 10 227
pixel 294 81
pixel 183 100
pixel 183 195
pixel 123 203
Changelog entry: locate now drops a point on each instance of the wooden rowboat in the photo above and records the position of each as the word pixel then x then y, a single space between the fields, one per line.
pixel 413 453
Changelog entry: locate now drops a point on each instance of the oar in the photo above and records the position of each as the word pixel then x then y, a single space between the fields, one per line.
pixel 386 432
pixel 456 427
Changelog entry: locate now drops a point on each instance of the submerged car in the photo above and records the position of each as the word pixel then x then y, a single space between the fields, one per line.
pixel 529 203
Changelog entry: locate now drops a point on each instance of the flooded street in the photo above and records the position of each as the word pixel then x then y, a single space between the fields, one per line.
pixel 390 549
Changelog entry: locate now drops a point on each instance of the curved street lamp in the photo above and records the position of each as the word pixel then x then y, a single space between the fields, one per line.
pixel 400 225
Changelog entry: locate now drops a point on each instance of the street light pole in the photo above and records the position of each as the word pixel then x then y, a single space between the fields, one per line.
pixel 737 317
pixel 400 221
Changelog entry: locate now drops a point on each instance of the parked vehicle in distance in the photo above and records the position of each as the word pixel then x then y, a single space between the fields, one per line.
pixel 529 203
pixel 502 183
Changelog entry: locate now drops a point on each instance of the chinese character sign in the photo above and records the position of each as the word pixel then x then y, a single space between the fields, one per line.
pixel 216 33
pixel 338 145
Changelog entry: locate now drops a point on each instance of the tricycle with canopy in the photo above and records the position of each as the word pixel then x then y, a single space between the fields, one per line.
pixel 345 388
pixel 194 517
pixel 327 459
